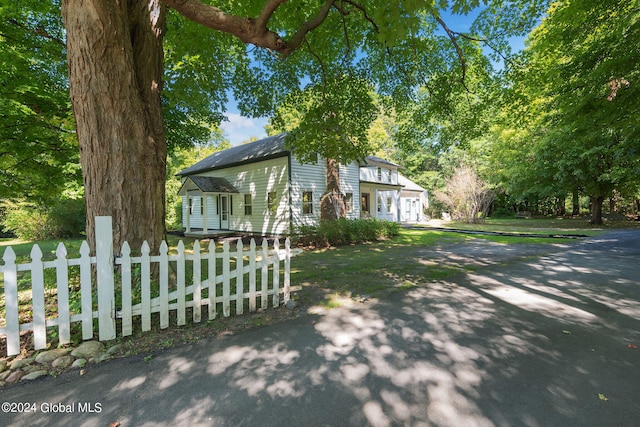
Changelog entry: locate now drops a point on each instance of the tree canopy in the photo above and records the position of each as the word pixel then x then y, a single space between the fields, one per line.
pixel 38 153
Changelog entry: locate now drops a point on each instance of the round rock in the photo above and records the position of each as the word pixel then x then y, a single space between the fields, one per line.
pixel 51 355
pixel 21 363
pixel 79 363
pixel 88 349
pixel 35 374
pixel 63 362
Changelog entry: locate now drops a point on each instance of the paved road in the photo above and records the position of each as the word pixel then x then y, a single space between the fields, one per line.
pixel 543 342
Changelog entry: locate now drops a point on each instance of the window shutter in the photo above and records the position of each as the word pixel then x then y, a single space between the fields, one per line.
pixel 230 205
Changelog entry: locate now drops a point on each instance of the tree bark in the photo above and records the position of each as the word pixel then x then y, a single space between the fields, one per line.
pixel 115 58
pixel 332 204
pixel 576 203
pixel 596 210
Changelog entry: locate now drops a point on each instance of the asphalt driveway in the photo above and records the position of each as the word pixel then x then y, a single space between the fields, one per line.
pixel 549 341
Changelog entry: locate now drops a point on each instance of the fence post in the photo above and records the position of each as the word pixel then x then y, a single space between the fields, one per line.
pixel 104 268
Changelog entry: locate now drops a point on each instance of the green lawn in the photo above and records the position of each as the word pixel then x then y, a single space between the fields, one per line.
pixel 539 225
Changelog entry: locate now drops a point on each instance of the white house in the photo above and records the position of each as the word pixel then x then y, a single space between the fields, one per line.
pixel 261 188
pixel 414 200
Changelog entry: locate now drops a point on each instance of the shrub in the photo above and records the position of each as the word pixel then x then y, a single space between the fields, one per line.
pixel 345 231
pixel 63 219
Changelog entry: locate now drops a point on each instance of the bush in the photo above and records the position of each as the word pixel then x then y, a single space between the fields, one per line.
pixel 345 232
pixel 65 218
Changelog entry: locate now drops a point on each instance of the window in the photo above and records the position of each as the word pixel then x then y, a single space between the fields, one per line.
pixel 247 204
pixel 348 202
pixel 272 204
pixel 379 203
pixel 307 202
pixel 195 202
pixel 192 204
pixel 380 174
pixel 388 204
pixel 389 175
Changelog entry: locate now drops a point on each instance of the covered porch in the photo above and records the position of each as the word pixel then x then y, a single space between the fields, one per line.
pixel 380 201
pixel 207 206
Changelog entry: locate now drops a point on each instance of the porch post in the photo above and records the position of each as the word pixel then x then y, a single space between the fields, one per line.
pixel 188 220
pixel 204 214
pixel 376 204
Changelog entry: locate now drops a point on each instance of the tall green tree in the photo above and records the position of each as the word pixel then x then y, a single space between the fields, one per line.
pixel 38 148
pixel 573 117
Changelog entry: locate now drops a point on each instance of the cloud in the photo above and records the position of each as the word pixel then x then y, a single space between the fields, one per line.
pixel 240 129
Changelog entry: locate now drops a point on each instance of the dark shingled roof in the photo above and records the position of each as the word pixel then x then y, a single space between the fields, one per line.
pixel 263 149
pixel 378 161
pixel 210 184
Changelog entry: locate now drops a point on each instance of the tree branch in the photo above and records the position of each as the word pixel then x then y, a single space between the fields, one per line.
pixel 250 30
pixel 307 27
pixel 364 13
pixel 452 37
pixel 246 29
pixel 38 30
pixel 267 11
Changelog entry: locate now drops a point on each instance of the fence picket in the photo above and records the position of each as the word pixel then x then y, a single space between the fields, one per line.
pixel 212 279
pixel 268 261
pixel 12 319
pixel 226 280
pixel 264 284
pixel 286 287
pixel 37 297
pixel 125 272
pixel 164 285
pixel 86 300
pixel 145 285
pixel 197 285
pixel 239 277
pixel 252 276
pixel 181 316
pixel 276 272
pixel 62 279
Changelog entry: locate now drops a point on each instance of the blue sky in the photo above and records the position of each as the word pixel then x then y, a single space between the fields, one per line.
pixel 239 128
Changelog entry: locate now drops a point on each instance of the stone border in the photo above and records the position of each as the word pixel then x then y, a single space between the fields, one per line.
pixel 54 361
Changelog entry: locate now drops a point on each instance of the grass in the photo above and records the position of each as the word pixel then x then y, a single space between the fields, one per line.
pixel 540 225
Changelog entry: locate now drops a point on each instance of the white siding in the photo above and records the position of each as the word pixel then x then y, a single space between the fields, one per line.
pixel 370 174
pixel 257 179
pixel 307 177
pixel 350 183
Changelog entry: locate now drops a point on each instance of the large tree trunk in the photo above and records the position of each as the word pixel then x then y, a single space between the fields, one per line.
pixel 115 57
pixel 596 210
pixel 331 203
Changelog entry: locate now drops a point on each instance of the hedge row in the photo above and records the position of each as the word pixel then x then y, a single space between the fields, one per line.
pixel 345 232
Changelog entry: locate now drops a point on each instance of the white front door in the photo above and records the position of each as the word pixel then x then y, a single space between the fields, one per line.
pixel 407 212
pixel 224 212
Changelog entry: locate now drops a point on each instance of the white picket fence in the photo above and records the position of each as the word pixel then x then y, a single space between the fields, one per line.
pixel 238 279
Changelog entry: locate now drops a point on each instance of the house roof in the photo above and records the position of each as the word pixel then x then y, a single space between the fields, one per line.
pixel 373 160
pixel 264 149
pixel 267 148
pixel 409 185
pixel 208 184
